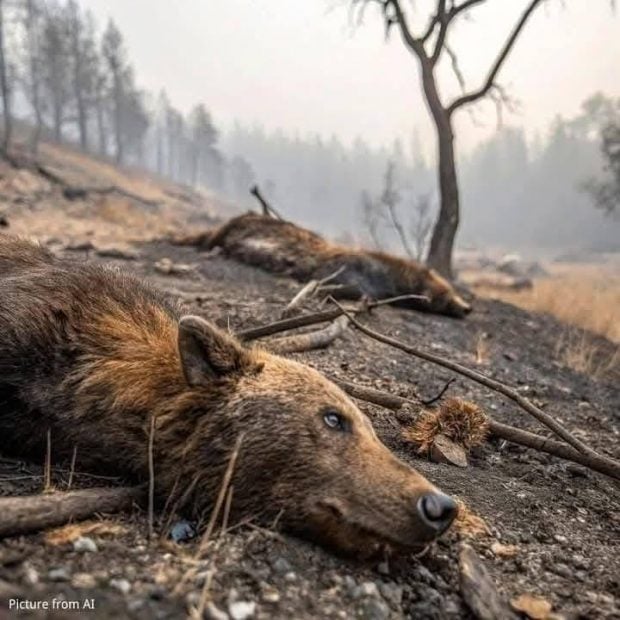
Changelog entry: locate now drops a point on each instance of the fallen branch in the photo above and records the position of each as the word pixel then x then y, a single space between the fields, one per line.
pixel 598 463
pixel 305 320
pixel 318 339
pixel 308 291
pixel 524 403
pixel 73 192
pixel 21 515
pixel 376 397
pixel 268 210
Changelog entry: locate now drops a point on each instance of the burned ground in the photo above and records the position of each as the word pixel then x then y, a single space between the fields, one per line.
pixel 563 519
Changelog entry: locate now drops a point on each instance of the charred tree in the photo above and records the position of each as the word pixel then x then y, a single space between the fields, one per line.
pixel 428 48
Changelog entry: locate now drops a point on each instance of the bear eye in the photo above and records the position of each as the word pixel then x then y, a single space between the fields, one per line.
pixel 335 421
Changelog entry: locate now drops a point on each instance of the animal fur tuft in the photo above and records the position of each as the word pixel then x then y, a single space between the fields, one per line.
pixel 461 421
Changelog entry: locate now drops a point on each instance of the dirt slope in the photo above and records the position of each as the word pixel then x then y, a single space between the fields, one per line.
pixel 563 519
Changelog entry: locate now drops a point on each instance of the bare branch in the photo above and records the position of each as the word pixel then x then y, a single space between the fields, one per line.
pixel 455 66
pixel 497 65
pixel 414 44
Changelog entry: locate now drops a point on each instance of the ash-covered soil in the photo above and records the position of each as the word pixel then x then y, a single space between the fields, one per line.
pixel 562 519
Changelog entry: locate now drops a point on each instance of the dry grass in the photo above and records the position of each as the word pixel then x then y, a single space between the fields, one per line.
pixel 585 297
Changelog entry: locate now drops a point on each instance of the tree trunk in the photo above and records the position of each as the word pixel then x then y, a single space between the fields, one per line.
pixel 118 132
pixel 444 232
pixel 4 87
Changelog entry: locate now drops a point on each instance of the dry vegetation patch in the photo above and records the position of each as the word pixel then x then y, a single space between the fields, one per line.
pixel 587 299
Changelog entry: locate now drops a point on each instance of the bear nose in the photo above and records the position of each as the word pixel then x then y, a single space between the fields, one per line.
pixel 437 511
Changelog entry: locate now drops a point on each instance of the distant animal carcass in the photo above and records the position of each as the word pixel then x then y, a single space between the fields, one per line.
pixel 282 247
pixel 93 357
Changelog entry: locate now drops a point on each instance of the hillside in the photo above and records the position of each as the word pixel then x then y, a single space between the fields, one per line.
pixel 552 527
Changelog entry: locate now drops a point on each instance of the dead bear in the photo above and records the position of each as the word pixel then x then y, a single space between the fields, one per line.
pixel 90 354
pixel 282 247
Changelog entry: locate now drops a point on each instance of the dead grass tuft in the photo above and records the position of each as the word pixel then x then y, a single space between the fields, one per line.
pixel 468 524
pixel 68 533
pixel 584 297
pixel 459 420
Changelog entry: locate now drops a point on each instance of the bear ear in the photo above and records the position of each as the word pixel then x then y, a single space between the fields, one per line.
pixel 208 353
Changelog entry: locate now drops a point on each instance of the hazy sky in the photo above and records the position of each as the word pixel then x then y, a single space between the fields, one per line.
pixel 301 65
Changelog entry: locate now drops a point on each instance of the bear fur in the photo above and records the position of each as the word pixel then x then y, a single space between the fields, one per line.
pixel 94 356
pixel 282 247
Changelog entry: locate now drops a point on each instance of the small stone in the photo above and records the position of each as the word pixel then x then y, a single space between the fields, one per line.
pixel 84 544
pixel 83 580
pixel 350 585
pixel 242 610
pixel 366 589
pixel 375 609
pixel 561 539
pixel 281 566
pixel 31 575
pixel 270 595
pixel 392 593
pixel 122 585
pixel 213 612
pixel 182 531
pixel 383 568
pixel 58 574
pixel 290 576
pixel 562 570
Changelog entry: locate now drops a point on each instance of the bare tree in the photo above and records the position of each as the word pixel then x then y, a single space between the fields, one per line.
pixel 32 75
pixel 203 137
pixel 427 47
pixel 421 224
pixel 113 52
pixel 83 65
pixel 100 103
pixel 5 82
pixel 55 67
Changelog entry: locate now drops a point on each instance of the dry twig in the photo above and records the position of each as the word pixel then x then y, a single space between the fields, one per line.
pixel 221 495
pixel 151 477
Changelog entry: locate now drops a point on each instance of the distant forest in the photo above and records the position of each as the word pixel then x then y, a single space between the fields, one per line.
pixel 63 78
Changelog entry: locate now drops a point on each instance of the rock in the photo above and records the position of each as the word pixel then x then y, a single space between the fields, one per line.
pixel 122 585
pixel 368 588
pixel 392 593
pixel 281 566
pixel 83 580
pixel 213 612
pixel 242 610
pixel 84 544
pixel 167 267
pixel 562 570
pixel 31 575
pixel 58 574
pixel 375 609
pixel 478 589
pixel 117 251
pixel 444 450
pixel 270 595
pixel 182 531
pixel 534 607
pixel 504 551
pixel 383 568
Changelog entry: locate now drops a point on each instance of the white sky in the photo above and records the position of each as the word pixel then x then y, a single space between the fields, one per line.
pixel 299 65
